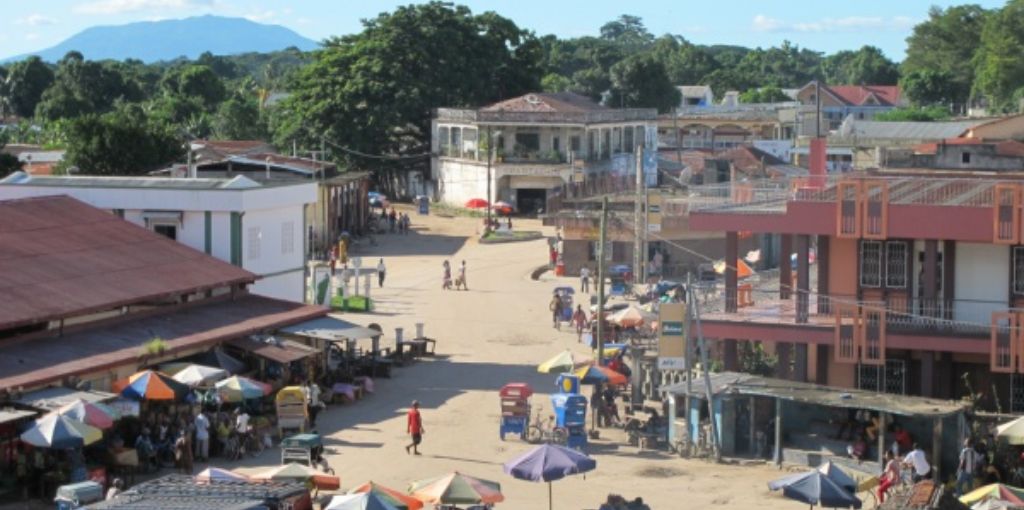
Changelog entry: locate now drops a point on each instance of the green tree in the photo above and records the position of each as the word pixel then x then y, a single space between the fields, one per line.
pixel 946 43
pixel 925 87
pixel 552 82
pixel 1000 68
pixel 24 85
pixel 373 91
pixel 866 66
pixel 8 162
pixel 81 86
pixel 195 81
pixel 121 142
pixel 628 32
pixel 641 81
pixel 764 95
pixel 927 114
pixel 239 118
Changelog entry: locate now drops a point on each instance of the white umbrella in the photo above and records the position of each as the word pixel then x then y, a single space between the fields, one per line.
pixel 1013 431
pixel 200 375
pixel 995 504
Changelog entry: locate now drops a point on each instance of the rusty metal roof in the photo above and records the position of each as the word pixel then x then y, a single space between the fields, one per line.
pixel 39 361
pixel 280 351
pixel 60 257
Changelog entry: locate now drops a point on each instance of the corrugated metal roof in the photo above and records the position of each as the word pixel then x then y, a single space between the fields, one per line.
pixel 9 415
pixel 44 360
pixel 54 398
pixel 329 328
pixel 89 181
pixel 174 492
pixel 60 257
pixel 281 351
pixel 905 130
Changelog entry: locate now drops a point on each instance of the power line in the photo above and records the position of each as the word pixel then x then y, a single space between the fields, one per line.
pixel 390 157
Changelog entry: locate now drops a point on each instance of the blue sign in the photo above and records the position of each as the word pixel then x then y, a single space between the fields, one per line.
pixel 651 167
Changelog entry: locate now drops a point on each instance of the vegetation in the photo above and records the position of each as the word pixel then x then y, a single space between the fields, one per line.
pixel 923 114
pixel 370 93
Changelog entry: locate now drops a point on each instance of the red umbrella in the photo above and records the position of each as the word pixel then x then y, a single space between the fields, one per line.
pixel 476 203
pixel 502 207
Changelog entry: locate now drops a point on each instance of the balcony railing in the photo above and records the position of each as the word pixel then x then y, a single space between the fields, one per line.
pixel 585 117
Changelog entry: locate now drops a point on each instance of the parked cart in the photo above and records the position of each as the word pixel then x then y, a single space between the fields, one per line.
pixel 291 409
pixel 515 409
pixel 565 294
pixel 301 449
pixel 77 495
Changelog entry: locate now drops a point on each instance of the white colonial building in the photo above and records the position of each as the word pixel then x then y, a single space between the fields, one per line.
pixel 257 226
pixel 540 141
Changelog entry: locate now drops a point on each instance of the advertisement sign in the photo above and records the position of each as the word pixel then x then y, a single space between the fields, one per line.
pixel 651 167
pixel 672 333
pixel 321 284
pixel 125 407
pixel 654 212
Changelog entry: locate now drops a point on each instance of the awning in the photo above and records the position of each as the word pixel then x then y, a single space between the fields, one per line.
pixel 330 329
pixel 280 351
pixel 52 398
pixel 11 415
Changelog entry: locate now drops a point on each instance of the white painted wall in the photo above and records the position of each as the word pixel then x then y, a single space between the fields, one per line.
pixel 981 276
pixel 461 180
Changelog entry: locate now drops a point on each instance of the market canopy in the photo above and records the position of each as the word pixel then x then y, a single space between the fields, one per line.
pixel 151 385
pixel 734 383
pixel 301 473
pixel 273 349
pixel 50 399
pixel 199 375
pixel 399 499
pixel 360 501
pixel 237 388
pixel 60 432
pixel 330 329
pixel 1012 431
pixel 456 489
pixel 90 413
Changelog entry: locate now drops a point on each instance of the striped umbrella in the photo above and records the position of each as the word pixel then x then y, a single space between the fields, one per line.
pixel 360 501
pixel 237 388
pixel 456 489
pixel 597 374
pixel 562 362
pixel 60 432
pixel 219 475
pixel 302 473
pixel 396 498
pixel 90 413
pixel 151 385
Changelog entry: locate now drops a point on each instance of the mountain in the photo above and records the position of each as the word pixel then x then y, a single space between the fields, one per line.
pixel 152 41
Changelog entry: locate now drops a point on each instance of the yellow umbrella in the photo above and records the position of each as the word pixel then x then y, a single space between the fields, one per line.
pixel 563 362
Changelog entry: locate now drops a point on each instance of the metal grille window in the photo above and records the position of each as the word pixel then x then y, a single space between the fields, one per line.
pixel 287 237
pixel 1018 270
pixel 895 376
pixel 869 377
pixel 896 264
pixel 871 264
pixel 1016 393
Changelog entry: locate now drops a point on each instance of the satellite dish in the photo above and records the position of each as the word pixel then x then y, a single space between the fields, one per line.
pixel 532 99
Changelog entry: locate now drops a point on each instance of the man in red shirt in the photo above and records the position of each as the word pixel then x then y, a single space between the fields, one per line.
pixel 414 426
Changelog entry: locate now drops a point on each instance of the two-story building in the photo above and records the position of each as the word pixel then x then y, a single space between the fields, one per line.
pixel 529 145
pixel 840 101
pixel 902 283
pixel 255 226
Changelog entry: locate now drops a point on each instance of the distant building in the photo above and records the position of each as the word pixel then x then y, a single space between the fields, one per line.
pixel 255 226
pixel 724 126
pixel 695 95
pixel 970 154
pixel 840 101
pixel 540 142
pixel 35 159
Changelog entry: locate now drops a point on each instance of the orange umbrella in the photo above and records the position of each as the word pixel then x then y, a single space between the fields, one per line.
pixel 393 496
pixel 593 374
pixel 302 473
pixel 456 489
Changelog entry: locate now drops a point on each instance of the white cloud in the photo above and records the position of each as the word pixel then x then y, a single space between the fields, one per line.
pixel 762 23
pixel 261 16
pixel 35 20
pixel 125 6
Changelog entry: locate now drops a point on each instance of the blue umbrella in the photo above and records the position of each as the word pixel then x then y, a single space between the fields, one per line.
pixel 828 469
pixel 360 501
pixel 815 488
pixel 548 463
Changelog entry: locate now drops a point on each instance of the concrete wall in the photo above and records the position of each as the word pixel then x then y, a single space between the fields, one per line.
pixel 980 285
pixel 982 157
pixel 461 180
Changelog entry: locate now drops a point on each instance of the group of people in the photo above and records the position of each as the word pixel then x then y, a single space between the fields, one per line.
pixel 617 502
pixel 397 222
pixel 460 281
pixel 916 461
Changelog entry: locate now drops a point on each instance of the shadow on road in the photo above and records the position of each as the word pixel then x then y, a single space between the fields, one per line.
pixel 414 243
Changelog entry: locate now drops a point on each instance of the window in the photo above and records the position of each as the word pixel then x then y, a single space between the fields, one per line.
pixel 168 231
pixel 528 141
pixel 965 158
pixel 896 264
pixel 287 237
pixel 469 143
pixel 1018 270
pixel 627 140
pixel 574 144
pixel 254 236
pixel 456 146
pixel 556 144
pixel 442 140
pixel 871 264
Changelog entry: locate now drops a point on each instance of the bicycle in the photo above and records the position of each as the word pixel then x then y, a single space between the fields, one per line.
pixel 251 443
pixel 545 431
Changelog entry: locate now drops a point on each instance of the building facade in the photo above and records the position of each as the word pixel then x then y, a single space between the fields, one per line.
pixel 533 144
pixel 863 102
pixel 258 227
pixel 900 284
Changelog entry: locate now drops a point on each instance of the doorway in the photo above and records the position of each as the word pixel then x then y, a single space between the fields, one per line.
pixel 531 201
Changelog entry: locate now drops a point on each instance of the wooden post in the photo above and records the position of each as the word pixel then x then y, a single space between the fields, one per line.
pixel 777 458
pixel 753 425
pixel 785 267
pixel 803 279
pixel 883 418
pixel 937 449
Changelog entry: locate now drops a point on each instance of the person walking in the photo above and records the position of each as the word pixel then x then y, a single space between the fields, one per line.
pixel 579 319
pixel 202 425
pixel 461 280
pixel 414 427
pixel 556 310
pixel 919 461
pixel 380 273
pixel 446 282
pixel 890 476
pixel 585 279
pixel 968 466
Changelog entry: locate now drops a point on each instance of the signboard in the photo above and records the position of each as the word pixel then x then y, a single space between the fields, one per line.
pixel 321 284
pixel 653 212
pixel 672 333
pixel 651 167
pixel 621 164
pixel 125 407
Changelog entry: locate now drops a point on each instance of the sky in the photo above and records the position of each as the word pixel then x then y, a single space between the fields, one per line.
pixel 822 25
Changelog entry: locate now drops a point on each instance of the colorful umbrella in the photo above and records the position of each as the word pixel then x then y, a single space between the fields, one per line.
pixel 502 207
pixel 151 385
pixel 597 374
pixel 456 489
pixel 219 475
pixel 199 375
pixel 476 203
pixel 631 317
pixel 237 388
pixel 361 501
pixel 301 473
pixel 563 362
pixel 815 488
pixel 396 498
pixel 547 463
pixel 995 504
pixel 60 432
pixel 90 413
pixel 994 491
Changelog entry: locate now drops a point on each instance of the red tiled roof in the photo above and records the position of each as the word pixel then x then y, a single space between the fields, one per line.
pixel 41 361
pixel 61 257
pixel 746 158
pixel 856 95
pixel 560 102
pixel 1008 148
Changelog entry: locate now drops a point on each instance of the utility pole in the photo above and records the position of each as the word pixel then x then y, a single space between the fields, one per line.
pixel 639 259
pixel 707 374
pixel 490 149
pixel 688 362
pixel 600 280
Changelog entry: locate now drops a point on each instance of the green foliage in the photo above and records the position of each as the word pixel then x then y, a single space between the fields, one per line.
pixel 764 95
pixel 195 82
pixel 122 142
pixel 925 87
pixel 641 82
pixel 155 347
pixel 8 162
pixel 946 43
pixel 627 32
pixel 926 114
pixel 866 66
pixel 239 118
pixel 754 360
pixel 552 82
pixel 1000 69
pixel 82 86
pixel 24 85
